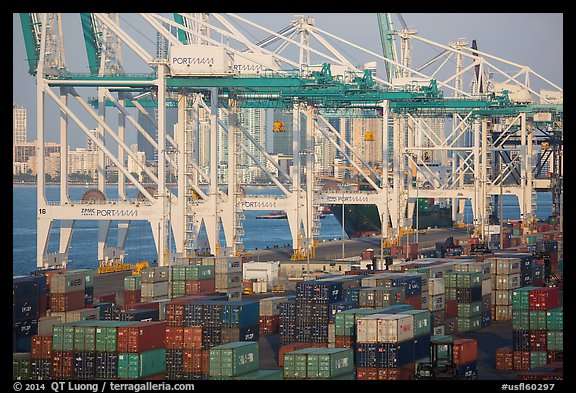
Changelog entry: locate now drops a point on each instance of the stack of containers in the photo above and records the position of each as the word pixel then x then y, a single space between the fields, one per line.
pixel 67 293
pixel 41 357
pixel 380 296
pixel 411 282
pixel 25 306
pixel 464 294
pixel 141 350
pixel 422 332
pixel 319 363
pixel 21 366
pixel 132 289
pixel 537 327
pixel 227 276
pixel 466 357
pixel 437 304
pixel 315 305
pixel 191 279
pixel 270 314
pixel 194 326
pixel 88 286
pixel 231 360
pixel 486 269
pixel 155 283
pixel 384 342
pixel 506 276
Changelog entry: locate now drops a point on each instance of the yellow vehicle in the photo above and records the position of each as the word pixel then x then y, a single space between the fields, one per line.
pixel 138 267
pixel 113 265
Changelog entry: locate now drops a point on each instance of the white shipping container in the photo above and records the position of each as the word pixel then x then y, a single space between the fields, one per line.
pixel 234 294
pixel 270 306
pixel 436 286
pixel 367 329
pixel 200 60
pixel 484 267
pixel 437 302
pixel 507 281
pixel 461 267
pixel 487 286
pixel 438 331
pixel 228 265
pixel 260 287
pixel 503 313
pixel 508 265
pixel 393 328
pixel 425 285
pixel 154 289
pixel 503 298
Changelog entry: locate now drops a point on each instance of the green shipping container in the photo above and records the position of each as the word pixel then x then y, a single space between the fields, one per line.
pixel 178 273
pixel 555 340
pixel 234 359
pixel 520 319
pixel 468 310
pixel 261 375
pixel 132 283
pixel 63 337
pixel 537 320
pixel 327 363
pixel 468 279
pixel 84 338
pixel 178 288
pixel 89 277
pixel 451 280
pixel 140 365
pixel 422 324
pixel 555 318
pixel 106 334
pixel 469 324
pixel 21 365
pixel 296 364
pixel 538 358
pixel 521 298
pixel 450 293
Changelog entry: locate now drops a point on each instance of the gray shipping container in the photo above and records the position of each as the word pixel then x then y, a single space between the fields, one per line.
pixel 84 314
pixel 270 306
pixel 68 282
pixel 155 274
pixel 154 289
pixel 45 324
pixel 226 281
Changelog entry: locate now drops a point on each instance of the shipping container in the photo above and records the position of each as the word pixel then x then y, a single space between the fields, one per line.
pixel 261 375
pixel 234 359
pixel 468 310
pixel 20 366
pixel 544 298
pixel 538 358
pixel 554 340
pixel 107 335
pixel 318 291
pixel 422 322
pixel 508 281
pixel 139 315
pixel 465 351
pixel 154 289
pixel 70 281
pixel 521 340
pixel 505 359
pixel 555 318
pixel 503 313
pixel 520 319
pixel 62 364
pixel 40 369
pixel 225 281
pixel 25 299
pixel 469 324
pixel 384 355
pixel 132 283
pixel 141 337
pixel 436 286
pixel 235 334
pixel 83 314
pixel 240 313
pixel 140 365
pixel 106 365
pixel 155 274
pixel 131 297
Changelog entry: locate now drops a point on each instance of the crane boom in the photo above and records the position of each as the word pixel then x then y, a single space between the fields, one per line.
pixel 387 40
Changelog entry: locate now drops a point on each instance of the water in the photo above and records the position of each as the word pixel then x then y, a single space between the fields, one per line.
pixel 258 234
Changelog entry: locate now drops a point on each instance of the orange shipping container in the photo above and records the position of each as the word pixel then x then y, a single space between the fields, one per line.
pixel 505 359
pixel 465 351
pixel 192 337
pixel 174 337
pixel 366 373
pixel 41 347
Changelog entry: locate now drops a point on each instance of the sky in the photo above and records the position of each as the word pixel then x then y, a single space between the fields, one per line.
pixel 531 39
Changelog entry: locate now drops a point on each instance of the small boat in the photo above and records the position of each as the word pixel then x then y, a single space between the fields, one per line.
pixel 275 215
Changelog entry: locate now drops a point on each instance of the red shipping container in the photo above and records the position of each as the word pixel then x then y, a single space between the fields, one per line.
pixel 521 360
pixel 62 364
pixel 141 336
pixel 192 337
pixel 50 274
pixel 205 361
pixel 207 286
pixel 465 351
pixel 139 306
pixel 192 361
pixel 106 298
pixel 175 314
pixel 157 377
pixel 505 359
pixel 415 301
pixel 132 297
pixel 544 298
pixel 538 340
pixel 555 356
pixel 174 337
pixel 344 342
pixel 67 301
pixel 41 347
pixel 451 309
pixel 269 324
pixel 366 373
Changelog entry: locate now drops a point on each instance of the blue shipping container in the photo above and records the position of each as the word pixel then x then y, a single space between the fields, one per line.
pixel 422 347
pixel 240 313
pixel 318 291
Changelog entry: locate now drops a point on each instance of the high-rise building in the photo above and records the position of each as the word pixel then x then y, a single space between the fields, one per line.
pixel 19 124
pixel 149 123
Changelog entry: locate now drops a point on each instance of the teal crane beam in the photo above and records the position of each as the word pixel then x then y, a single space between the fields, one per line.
pixel 93 49
pixel 387 41
pixel 31 41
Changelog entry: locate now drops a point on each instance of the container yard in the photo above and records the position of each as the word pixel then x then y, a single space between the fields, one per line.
pixel 424 277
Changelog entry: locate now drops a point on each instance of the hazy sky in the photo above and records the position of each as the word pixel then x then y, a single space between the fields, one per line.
pixel 530 39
